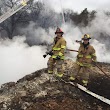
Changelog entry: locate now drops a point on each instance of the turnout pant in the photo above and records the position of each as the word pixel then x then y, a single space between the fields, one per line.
pixel 80 72
pixel 55 63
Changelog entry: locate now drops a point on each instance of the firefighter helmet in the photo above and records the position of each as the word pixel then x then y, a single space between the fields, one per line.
pixel 86 36
pixel 58 30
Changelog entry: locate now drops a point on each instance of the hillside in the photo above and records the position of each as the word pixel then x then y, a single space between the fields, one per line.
pixel 41 91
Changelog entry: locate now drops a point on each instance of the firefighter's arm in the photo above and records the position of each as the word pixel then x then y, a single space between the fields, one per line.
pixel 63 47
pixel 50 52
pixel 93 54
pixel 78 41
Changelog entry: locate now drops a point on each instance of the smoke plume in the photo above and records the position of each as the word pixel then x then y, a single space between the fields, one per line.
pixel 17 58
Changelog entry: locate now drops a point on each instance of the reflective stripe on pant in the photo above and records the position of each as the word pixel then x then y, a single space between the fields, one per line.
pixel 50 72
pixel 85 82
pixel 72 78
pixel 59 75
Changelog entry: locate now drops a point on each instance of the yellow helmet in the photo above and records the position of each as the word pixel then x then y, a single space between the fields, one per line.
pixel 86 36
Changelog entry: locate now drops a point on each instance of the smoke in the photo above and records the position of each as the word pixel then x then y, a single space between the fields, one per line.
pixel 100 24
pixel 36 36
pixel 78 5
pixel 17 59
pixel 99 31
pixel 103 55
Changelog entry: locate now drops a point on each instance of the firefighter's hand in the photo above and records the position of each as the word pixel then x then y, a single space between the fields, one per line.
pixel 58 58
pixel 76 40
pixel 50 53
pixel 93 62
pixel 44 56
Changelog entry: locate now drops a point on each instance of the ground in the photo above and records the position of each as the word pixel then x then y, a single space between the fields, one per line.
pixel 41 91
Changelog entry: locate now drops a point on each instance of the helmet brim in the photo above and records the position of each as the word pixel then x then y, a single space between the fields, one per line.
pixel 59 32
pixel 86 38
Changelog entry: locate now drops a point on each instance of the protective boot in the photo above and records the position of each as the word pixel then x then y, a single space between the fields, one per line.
pixel 71 78
pixel 85 83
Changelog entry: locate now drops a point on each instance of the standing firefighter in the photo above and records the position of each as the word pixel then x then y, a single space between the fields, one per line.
pixel 57 54
pixel 86 56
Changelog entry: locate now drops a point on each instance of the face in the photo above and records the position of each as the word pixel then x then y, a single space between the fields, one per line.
pixel 85 41
pixel 59 35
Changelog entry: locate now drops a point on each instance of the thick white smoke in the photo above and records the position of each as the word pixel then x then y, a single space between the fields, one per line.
pixel 18 59
pixel 103 55
pixel 100 34
pixel 101 24
pixel 38 35
pixel 78 5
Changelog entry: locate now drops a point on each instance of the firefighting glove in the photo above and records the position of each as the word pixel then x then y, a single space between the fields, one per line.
pixel 50 53
pixel 58 58
pixel 93 62
pixel 44 56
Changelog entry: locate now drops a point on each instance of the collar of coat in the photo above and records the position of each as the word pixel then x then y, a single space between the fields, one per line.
pixel 86 45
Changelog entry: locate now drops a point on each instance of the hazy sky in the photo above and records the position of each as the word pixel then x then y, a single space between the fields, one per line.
pixel 79 5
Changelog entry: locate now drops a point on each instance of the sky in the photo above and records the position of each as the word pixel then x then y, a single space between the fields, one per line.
pixel 79 5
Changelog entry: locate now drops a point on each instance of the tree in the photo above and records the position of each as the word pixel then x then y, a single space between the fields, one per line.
pixel 10 24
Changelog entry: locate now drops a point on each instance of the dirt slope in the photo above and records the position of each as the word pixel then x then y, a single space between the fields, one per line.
pixel 41 91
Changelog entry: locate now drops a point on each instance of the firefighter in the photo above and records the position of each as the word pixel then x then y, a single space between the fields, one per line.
pixel 86 56
pixel 57 54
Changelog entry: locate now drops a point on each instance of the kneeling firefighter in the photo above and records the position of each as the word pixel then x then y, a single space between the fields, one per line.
pixel 86 56
pixel 57 53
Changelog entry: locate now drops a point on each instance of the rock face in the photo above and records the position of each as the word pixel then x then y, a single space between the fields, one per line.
pixel 41 91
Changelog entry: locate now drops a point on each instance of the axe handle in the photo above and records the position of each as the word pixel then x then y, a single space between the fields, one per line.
pixel 103 71
pixel 72 50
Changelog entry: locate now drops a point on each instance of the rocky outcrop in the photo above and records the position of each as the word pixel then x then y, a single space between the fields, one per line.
pixel 41 91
